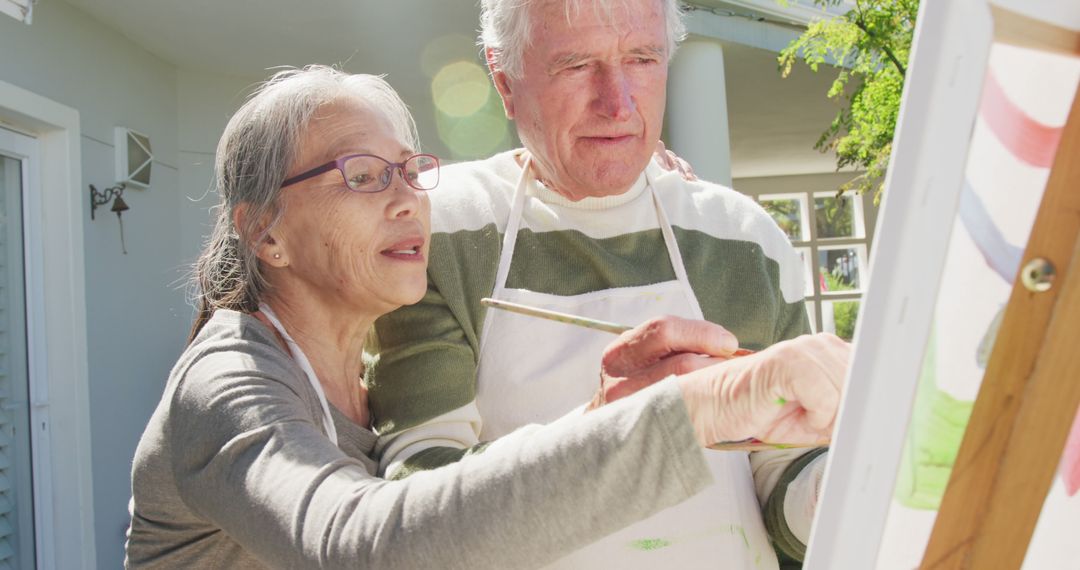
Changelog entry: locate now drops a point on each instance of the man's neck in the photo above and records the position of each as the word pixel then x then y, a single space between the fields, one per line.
pixel 570 193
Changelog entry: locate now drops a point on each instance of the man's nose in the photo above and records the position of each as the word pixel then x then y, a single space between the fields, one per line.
pixel 614 94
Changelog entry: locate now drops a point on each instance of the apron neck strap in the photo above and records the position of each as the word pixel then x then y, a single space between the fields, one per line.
pixel 669 234
pixel 305 365
pixel 513 223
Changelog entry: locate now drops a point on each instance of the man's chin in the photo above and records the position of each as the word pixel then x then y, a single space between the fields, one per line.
pixel 617 180
pixel 600 188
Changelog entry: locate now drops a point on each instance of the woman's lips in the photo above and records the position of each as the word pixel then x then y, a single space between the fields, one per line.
pixel 411 249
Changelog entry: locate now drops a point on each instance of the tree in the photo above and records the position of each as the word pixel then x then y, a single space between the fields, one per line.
pixel 833 217
pixel 787 216
pixel 870 45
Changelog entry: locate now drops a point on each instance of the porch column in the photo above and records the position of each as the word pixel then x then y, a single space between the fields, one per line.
pixel 697 120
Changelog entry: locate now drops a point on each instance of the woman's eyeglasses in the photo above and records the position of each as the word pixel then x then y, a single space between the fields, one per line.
pixel 370 173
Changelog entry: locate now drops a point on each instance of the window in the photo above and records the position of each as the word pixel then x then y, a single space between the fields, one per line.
pixel 829 232
pixel 17 523
pixel 18 9
pixel 63 503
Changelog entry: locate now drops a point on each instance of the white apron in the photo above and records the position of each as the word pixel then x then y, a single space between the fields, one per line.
pixel 534 371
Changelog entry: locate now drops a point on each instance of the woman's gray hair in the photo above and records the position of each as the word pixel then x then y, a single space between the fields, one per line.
pixel 505 27
pixel 259 145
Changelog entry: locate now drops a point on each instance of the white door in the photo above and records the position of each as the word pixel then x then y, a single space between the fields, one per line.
pixel 18 153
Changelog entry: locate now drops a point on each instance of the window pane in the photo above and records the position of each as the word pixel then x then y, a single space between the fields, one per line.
pixel 813 316
pixel 835 217
pixel 789 212
pixel 838 317
pixel 840 268
pixel 808 271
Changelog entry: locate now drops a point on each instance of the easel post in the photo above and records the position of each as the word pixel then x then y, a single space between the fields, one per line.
pixel 1029 395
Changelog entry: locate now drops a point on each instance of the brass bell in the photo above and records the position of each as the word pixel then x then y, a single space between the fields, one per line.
pixel 119 205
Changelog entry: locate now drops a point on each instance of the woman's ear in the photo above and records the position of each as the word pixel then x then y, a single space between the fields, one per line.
pixel 269 249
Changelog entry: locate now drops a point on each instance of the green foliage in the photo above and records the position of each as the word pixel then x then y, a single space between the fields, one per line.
pixel 833 216
pixel 833 282
pixel 787 216
pixel 844 312
pixel 872 42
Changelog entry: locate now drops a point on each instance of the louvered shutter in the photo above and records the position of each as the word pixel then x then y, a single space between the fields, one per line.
pixel 16 485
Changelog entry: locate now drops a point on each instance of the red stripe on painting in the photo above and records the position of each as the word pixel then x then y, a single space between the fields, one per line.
pixel 1070 463
pixel 1024 137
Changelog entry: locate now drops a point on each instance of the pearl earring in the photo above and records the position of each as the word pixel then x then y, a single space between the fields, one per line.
pixel 277 256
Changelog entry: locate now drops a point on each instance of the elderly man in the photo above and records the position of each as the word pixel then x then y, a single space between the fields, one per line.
pixel 581 221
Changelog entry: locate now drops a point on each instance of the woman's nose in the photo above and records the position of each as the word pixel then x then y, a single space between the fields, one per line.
pixel 405 200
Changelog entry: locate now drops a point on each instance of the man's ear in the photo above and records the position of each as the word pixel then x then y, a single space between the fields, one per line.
pixel 502 82
pixel 269 249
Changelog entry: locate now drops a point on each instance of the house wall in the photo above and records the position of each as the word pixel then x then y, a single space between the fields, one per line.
pixel 137 318
pixel 205 103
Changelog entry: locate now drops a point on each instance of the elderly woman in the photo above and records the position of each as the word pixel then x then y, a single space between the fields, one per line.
pixel 259 452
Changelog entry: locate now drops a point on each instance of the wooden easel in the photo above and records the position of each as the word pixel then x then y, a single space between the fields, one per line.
pixel 1031 389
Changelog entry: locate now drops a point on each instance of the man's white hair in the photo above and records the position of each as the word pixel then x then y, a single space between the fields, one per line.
pixel 505 27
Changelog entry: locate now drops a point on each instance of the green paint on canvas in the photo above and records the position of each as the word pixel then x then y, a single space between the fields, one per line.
pixel 650 544
pixel 933 440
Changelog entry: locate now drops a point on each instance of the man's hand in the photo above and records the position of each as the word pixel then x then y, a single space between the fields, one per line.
pixel 657 349
pixel 787 393
pixel 671 161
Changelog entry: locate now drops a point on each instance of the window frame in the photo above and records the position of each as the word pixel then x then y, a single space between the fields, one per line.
pixel 56 329
pixel 860 241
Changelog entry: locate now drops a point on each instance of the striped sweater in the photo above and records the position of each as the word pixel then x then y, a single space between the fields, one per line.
pixel 423 368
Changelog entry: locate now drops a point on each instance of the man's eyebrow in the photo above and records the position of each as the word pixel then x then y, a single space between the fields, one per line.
pixel 567 59
pixel 654 50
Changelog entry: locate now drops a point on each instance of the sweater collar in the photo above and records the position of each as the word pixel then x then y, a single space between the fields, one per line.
pixel 549 196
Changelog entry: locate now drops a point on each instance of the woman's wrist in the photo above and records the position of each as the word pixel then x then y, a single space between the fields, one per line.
pixel 700 401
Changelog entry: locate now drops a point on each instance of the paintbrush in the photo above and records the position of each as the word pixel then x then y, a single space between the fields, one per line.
pixel 569 319
pixel 754 444
pixel 750 444
pixel 555 316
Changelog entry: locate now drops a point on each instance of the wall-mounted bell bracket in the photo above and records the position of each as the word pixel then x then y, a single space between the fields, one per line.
pixel 116 194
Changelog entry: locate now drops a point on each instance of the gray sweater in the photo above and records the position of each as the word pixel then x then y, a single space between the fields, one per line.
pixel 234 471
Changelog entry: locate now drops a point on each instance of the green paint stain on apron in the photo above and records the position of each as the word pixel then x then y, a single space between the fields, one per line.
pixel 650 544
pixel 738 528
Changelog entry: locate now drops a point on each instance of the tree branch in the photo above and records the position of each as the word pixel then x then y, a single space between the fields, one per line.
pixel 880 44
